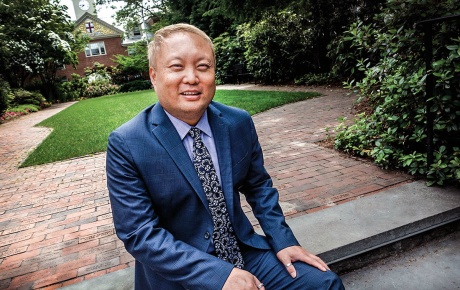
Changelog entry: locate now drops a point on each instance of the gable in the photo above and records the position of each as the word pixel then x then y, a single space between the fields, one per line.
pixel 96 28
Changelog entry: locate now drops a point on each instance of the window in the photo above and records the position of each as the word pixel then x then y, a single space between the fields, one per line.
pixel 89 27
pixel 131 50
pixel 137 31
pixel 95 48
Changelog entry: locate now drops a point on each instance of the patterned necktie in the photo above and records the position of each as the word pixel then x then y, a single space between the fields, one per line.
pixel 223 237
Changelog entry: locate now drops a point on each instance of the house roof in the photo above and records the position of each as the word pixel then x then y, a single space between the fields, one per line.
pixel 99 28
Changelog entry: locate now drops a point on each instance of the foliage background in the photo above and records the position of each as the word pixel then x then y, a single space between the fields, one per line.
pixel 36 38
pixel 388 54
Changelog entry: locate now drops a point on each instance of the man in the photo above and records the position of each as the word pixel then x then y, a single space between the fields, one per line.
pixel 175 173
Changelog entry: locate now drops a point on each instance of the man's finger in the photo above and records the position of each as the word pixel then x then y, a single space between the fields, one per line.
pixel 291 269
pixel 318 263
pixel 258 284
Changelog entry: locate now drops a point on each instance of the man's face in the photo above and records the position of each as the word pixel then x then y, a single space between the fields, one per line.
pixel 184 76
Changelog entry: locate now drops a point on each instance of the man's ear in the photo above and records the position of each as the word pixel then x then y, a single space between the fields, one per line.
pixel 153 75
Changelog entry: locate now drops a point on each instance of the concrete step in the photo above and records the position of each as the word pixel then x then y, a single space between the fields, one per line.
pixel 431 266
pixel 343 232
pixel 378 222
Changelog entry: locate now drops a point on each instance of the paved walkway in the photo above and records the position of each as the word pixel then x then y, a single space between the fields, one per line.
pixel 55 219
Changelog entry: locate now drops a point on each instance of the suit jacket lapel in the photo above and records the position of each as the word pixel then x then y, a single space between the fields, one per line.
pixel 166 133
pixel 220 131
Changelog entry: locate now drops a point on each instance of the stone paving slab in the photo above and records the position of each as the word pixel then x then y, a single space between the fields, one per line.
pixel 376 220
pixel 432 266
pixel 55 219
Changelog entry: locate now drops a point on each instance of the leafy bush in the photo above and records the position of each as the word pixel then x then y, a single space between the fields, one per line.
pixel 5 96
pixel 26 108
pixel 74 89
pixel 137 85
pixel 278 48
pixel 229 53
pixel 22 97
pixel 389 56
pixel 98 81
pixel 312 79
pixel 100 88
pixel 98 72
pixel 18 111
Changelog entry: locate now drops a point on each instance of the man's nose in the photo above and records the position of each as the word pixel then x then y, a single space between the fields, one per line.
pixel 191 76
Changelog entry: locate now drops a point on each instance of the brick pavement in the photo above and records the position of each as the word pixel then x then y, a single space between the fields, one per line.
pixel 55 219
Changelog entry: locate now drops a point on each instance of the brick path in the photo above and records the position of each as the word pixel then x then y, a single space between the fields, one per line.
pixel 55 219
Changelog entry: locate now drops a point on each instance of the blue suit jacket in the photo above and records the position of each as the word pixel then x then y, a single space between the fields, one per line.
pixel 159 207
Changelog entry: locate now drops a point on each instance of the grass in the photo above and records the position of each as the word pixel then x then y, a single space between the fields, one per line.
pixel 83 128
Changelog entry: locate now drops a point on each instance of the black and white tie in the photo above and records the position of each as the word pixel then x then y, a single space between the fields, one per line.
pixel 224 238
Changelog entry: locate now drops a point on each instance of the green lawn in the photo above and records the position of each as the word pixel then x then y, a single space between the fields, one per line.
pixel 83 128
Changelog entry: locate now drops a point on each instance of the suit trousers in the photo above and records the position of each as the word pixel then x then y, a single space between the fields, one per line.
pixel 269 270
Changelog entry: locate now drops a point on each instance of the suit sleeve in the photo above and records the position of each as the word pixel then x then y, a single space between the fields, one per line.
pixel 138 226
pixel 264 199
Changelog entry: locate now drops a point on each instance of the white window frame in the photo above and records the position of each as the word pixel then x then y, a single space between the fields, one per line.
pixel 95 49
pixel 137 31
pixel 131 50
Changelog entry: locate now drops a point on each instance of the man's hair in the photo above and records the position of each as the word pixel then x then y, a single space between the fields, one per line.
pixel 169 30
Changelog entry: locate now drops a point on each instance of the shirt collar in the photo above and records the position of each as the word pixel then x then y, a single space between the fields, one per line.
pixel 183 128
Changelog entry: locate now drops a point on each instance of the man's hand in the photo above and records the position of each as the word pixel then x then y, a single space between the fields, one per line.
pixel 242 280
pixel 296 253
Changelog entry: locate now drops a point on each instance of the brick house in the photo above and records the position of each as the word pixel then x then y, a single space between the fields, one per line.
pixel 105 41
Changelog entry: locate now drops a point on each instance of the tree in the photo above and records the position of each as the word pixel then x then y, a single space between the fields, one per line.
pixel 36 39
pixel 331 19
pixel 133 12
pixel 205 14
pixel 251 10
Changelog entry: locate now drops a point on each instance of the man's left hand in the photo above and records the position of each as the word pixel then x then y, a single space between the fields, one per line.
pixel 296 253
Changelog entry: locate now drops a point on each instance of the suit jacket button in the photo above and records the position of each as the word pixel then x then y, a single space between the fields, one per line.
pixel 207 235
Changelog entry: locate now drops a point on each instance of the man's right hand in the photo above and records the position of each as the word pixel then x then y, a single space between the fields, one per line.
pixel 242 280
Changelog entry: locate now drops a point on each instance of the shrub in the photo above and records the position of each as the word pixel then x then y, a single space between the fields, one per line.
pixel 312 79
pixel 26 108
pixel 98 72
pixel 18 111
pixel 99 82
pixel 74 89
pixel 278 48
pixel 389 56
pixel 22 97
pixel 229 53
pixel 100 88
pixel 137 85
pixel 5 96
pixel 132 67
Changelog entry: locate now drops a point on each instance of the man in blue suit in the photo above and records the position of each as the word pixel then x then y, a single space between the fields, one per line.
pixel 175 174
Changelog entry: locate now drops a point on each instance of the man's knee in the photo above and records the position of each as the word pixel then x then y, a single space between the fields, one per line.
pixel 313 278
pixel 332 281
